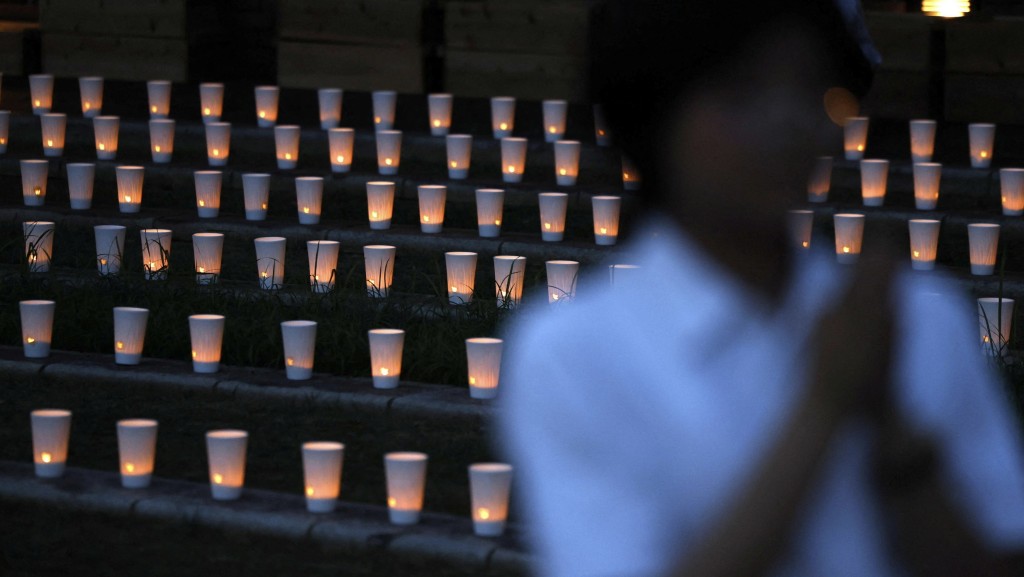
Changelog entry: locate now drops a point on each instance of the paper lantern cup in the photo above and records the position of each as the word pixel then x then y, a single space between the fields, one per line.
pixel 34 175
pixel 218 143
pixel 53 129
pixel 606 219
pixel 460 149
pixel 309 197
pixel 983 240
pixel 330 100
pixel 256 193
pixel 460 270
pixel 602 134
pixel 380 269
pixel 490 203
pixel 323 264
pixel 266 105
pixel 1011 187
pixel 849 230
pixel 286 142
pixel 207 250
pixel 322 468
pixel 136 449
pixel 820 180
pixel 554 113
pixel 129 188
pixel 982 137
pixel 562 276
pixel 922 140
pixel 129 334
pixel 105 133
pixel 439 110
pixel 489 485
pixel 211 101
pixel 270 252
pixel 513 159
pixel 90 89
pixel 156 253
pixel 924 243
pixel 36 327
pixel 995 319
pixel 81 177
pixel 109 248
pixel 432 200
pixel 553 207
pixel 51 429
pixel 386 357
pixel 384 102
pixel 207 334
pixel 567 162
pixel 874 175
pixel 41 90
pixel 503 116
pixel 5 129
pixel 483 362
pixel 380 201
pixel 406 475
pixel 508 280
pixel 389 151
pixel 801 224
pixel 208 185
pixel 159 96
pixel 161 140
pixel 341 142
pixel 855 137
pixel 38 236
pixel 927 176
pixel 299 338
pixel 225 451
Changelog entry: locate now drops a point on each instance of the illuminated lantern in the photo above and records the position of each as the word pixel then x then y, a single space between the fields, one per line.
pixel 386 357
pixel 460 148
pixel 490 203
pixel 946 8
pixel 855 137
pixel 849 236
pixel 50 431
pixel 5 129
pixel 922 140
pixel 161 140
pixel 995 319
pixel 341 142
pixel 432 199
pixel 109 248
pixel 380 269
pixel 208 184
pixel 1011 187
pixel 136 449
pixel 156 252
pixel 554 113
pixel 286 140
pixel 211 101
pixel 129 188
pixel 513 159
pixel 630 175
pixel 159 96
pixel 54 126
pixel 91 90
pixel 225 452
pixel 606 219
pixel 602 135
pixel 36 327
pixel 982 137
pixel 207 334
pixel 801 223
pixel 41 89
pixel 439 107
pixel 384 109
pixel 924 243
pixel 820 180
pixel 503 116
pixel 323 264
pixel 329 100
pixel 129 334
pixel 483 362
pixel 389 151
pixel 489 485
pixel 218 143
pixel 926 185
pixel 406 475
pixel 321 468
pixel 270 251
pixel 380 200
pixel 508 280
pixel 460 270
pixel 105 130
pixel 983 240
pixel 309 197
pixel 38 245
pixel 553 206
pixel 299 338
pixel 562 275
pixel 266 105
pixel 874 175
pixel 33 181
pixel 256 192
pixel 567 162
pixel 207 248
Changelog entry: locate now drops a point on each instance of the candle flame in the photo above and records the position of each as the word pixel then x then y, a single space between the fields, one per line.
pixel 202 203
pixel 37 103
pixel 985 339
pixel 45 457
pixel 206 111
pixel 200 269
pixel 103 261
pixel 195 354
pixel 309 491
pixel 32 258
pixel 454 289
pixel 290 361
pixel 860 148
pixel 472 380
pixel 561 172
pixel 916 254
pixel 511 169
pixel 984 154
pixel 376 120
pixel 554 296
pixel 38 191
pixel 437 124
pixel 454 164
pixel 216 152
pixel 387 161
pixel 119 345
pixel 3 141
pixel 805 244
pixel 392 502
pixel 625 175
pixel 426 219
pixel 156 148
pixel 153 109
pixel 553 130
pixel 30 340
pixel 263 114
pixel 101 146
pixel 503 126
pixel 384 371
pixel 846 250
pixel 483 513
pixel 49 142
pixel 305 210
pixel 218 478
pixel 600 133
pixel 129 468
pixel 287 156
pixel 547 226
pixel 127 198
pixel 264 206
pixel 341 159
pixel 263 274
pixel 604 230
pixel 373 214
pixel 497 222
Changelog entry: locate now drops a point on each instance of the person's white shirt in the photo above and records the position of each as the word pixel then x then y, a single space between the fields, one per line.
pixel 634 415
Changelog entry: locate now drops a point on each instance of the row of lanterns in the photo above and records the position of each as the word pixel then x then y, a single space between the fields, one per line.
pixel 322 463
pixel 981 137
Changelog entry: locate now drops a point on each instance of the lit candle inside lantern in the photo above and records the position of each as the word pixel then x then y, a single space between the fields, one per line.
pixel 508 280
pixel 105 132
pixel 41 90
pixel 109 248
pixel 5 129
pixel 982 137
pixel 553 206
pixel 924 242
pixel 225 451
pixel 322 468
pixel 602 134
pixel 208 185
pixel 54 126
pixel 136 448
pixel 606 219
pixel 286 140
pixel 483 362
pixel 33 181
pixel 630 175
pixel 983 239
pixel 995 319
pixel 432 200
pixel 36 327
pixel 299 338
pixel 554 113
pixel 270 251
pixel 849 230
pixel 211 101
pixel 380 269
pixel 91 90
pixel 38 244
pixel 159 96
pixel 855 137
pixel 389 151
pixel 256 191
pixel 439 107
pixel 489 485
pixel 207 248
pixel 266 105
pixel 874 174
pixel 50 431
pixel 503 115
pixel 460 148
pixel 406 475
pixel 1011 187
pixel 156 252
pixel 309 195
pixel 323 264
pixel 801 223
pixel 161 140
pixel 513 159
pixel 567 162
pixel 207 334
pixel 490 203
pixel 461 276
pixel 384 109
pixel 341 142
pixel 926 185
pixel 218 143
pixel 922 140
pixel 129 334
pixel 386 357
pixel 820 180
pixel 129 188
pixel 329 100
pixel 562 275
pixel 380 201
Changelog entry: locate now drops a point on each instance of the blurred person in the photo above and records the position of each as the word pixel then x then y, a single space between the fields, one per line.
pixel 733 408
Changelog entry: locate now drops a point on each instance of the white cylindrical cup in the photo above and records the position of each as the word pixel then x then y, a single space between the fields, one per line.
pixel 323 264
pixel 630 175
pixel 820 181
pixel 136 451
pixel 380 201
pixel 266 105
pixel 384 102
pixel 330 100
pixel 207 334
pixel 256 192
pixel 41 89
pixel 513 159
pixel 995 319
pixel 211 101
pixel 924 243
pixel 129 188
pixel 406 475
pixel 874 175
pixel 602 134
pixel 105 130
pixel 1011 188
pixel 927 176
pixel 51 429
pixel 386 357
pixel 389 151
pixel 109 248
pixel 432 200
pixel 982 137
pixel 161 140
pixel 567 162
pixel 490 204
pixel 606 219
pixel 554 113
pixel 460 270
pixel 503 116
pixel 341 142
pixel 34 175
pixel 309 198
pixel 90 89
pixel 483 366
pixel 159 97
pixel 207 251
pixel 38 237
pixel 460 148
pixel 562 275
pixel 922 140
pixel 299 338
pixel 553 206
pixel 36 327
pixel 53 128
pixel 849 230
pixel 225 452
pixel 489 485
pixel 156 252
pixel 129 334
pixel 801 224
pixel 208 185
pixel 855 137
pixel 439 110
pixel 508 280
pixel 270 252
pixel 322 468
pixel 5 129
pixel 286 142
pixel 380 269
pixel 983 240
pixel 218 143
